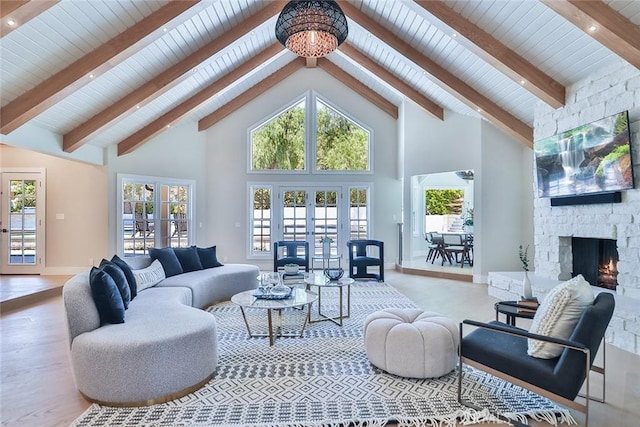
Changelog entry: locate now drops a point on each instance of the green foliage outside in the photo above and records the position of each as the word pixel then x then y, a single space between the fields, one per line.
pixel 279 143
pixel 341 144
pixel 622 123
pixel 444 202
pixel 23 196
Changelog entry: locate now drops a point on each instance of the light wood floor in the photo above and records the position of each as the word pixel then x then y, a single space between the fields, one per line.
pixel 37 387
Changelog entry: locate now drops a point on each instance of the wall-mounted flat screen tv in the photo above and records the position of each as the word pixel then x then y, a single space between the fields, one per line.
pixel 593 158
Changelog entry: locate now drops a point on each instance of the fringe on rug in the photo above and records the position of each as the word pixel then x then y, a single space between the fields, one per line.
pixel 552 417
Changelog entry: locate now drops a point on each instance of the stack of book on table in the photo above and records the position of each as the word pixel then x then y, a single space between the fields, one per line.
pixel 528 305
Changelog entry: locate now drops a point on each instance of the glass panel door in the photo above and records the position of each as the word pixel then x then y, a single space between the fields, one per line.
pixel 325 223
pixel 22 223
pixel 294 215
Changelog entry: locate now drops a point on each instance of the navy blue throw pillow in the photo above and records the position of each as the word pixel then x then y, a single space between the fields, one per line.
pixel 106 296
pixel 208 257
pixel 126 269
pixel 168 259
pixel 189 259
pixel 118 276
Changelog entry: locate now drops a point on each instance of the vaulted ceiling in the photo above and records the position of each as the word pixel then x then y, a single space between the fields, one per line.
pixel 103 72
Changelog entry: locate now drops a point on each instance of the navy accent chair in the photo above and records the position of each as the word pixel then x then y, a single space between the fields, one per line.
pixel 501 350
pixel 295 252
pixel 361 257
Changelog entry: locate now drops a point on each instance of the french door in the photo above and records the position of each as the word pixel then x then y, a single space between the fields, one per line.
pixel 22 222
pixel 313 214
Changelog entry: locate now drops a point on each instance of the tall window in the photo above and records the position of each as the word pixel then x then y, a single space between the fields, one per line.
pixel 358 213
pixel 154 213
pixel 279 143
pixel 282 142
pixel 261 219
pixel 341 145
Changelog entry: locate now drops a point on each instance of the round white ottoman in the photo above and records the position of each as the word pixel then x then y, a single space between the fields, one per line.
pixel 411 343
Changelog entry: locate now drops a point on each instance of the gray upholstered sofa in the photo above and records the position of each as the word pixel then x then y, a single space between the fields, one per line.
pixel 167 346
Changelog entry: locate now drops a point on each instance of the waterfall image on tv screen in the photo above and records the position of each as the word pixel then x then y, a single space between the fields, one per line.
pixel 593 158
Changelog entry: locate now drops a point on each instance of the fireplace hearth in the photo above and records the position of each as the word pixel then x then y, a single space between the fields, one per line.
pixel 596 260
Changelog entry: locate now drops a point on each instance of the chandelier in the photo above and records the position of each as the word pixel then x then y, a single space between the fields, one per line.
pixel 311 28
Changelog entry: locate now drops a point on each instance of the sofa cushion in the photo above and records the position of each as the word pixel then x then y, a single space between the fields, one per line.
pixel 150 276
pixel 208 257
pixel 106 297
pixel 168 259
pixel 126 269
pixel 188 258
pixel 558 314
pixel 118 276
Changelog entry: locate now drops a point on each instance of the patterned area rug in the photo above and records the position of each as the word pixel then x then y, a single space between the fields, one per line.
pixel 324 379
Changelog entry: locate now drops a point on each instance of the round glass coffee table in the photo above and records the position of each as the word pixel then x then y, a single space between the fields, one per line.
pixel 299 298
pixel 322 282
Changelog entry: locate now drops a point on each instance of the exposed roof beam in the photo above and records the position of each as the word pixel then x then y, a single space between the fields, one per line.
pixel 359 87
pixel 20 12
pixel 612 29
pixel 430 107
pixel 35 101
pixel 165 80
pixel 498 55
pixel 312 62
pixel 258 89
pixel 175 114
pixel 487 108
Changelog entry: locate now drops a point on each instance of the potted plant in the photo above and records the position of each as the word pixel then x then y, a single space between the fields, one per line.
pixel 526 283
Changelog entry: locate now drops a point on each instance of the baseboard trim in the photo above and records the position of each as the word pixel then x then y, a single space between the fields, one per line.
pixel 438 274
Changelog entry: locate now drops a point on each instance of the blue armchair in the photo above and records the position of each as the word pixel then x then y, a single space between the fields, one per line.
pixel 361 257
pixel 501 350
pixel 295 252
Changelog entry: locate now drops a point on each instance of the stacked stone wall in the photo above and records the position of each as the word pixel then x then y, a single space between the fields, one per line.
pixel 610 91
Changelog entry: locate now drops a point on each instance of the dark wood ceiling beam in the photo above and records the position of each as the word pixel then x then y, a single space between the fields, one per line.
pixel 498 55
pixel 465 93
pixel 20 12
pixel 165 80
pixel 359 87
pixel 255 91
pixel 430 107
pixel 612 29
pixel 177 113
pixel 35 101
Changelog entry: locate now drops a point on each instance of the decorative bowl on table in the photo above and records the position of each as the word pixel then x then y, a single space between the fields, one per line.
pixel 291 268
pixel 333 274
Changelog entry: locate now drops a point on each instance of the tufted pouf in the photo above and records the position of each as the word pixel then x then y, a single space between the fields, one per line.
pixel 411 343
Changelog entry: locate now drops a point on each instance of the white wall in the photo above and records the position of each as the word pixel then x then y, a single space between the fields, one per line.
pixel 178 152
pixel 226 157
pixel 502 216
pixel 79 192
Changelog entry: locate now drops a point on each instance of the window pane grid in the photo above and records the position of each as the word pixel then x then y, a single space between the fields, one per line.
pixel 261 234
pixel 358 220
pixel 295 215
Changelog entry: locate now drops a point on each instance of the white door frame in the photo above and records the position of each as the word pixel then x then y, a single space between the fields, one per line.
pixel 38 174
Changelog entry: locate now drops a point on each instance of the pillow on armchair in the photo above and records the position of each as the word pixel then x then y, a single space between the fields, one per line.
pixel 558 314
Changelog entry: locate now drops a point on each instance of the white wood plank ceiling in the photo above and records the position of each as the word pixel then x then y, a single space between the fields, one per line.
pixel 69 30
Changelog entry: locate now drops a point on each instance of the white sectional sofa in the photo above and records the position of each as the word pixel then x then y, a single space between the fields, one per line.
pixel 166 347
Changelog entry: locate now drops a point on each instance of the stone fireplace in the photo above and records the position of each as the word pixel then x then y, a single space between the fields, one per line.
pixel 607 229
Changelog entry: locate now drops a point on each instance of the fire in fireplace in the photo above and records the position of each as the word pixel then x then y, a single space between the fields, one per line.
pixel 596 260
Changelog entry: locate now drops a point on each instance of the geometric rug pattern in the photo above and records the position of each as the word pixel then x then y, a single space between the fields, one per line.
pixel 324 379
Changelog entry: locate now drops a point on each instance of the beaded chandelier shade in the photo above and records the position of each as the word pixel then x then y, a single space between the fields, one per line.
pixel 311 28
